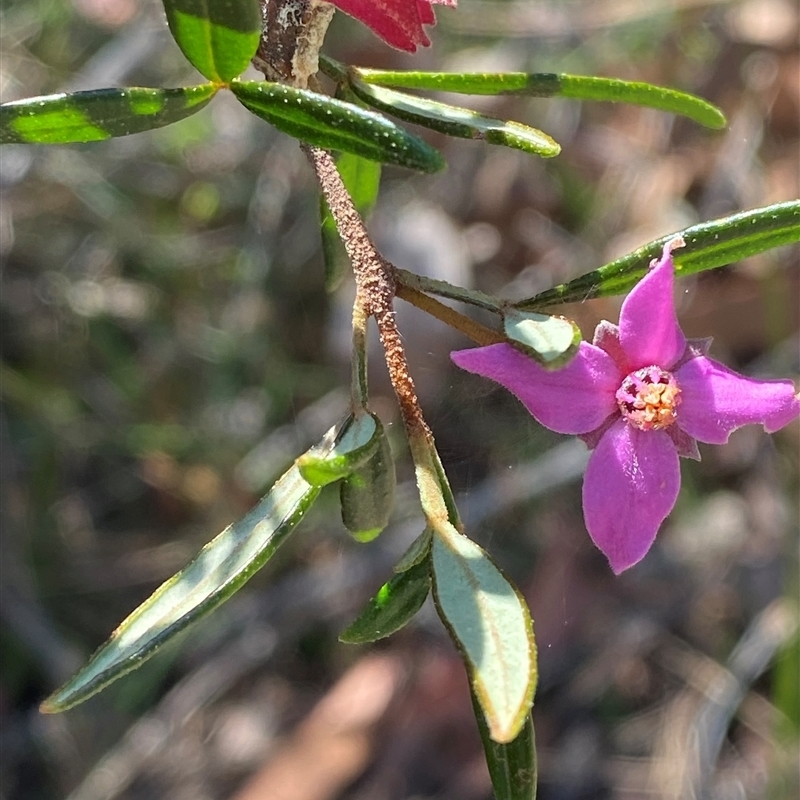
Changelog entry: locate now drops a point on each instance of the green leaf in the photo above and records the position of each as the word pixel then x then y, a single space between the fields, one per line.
pixel 343 449
pixel 417 552
pixel 221 568
pixel 367 495
pixel 552 341
pixel 336 125
pixel 455 121
pixel 219 37
pixel 362 179
pixel 490 623
pixel 707 246
pixel 392 607
pixel 512 766
pixel 99 114
pixel 547 84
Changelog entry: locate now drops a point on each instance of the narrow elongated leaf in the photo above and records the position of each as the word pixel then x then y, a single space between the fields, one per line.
pixel 367 495
pixel 417 551
pixel 221 568
pixel 491 625
pixel 99 114
pixel 219 37
pixel 512 766
pixel 455 121
pixel 552 341
pixel 362 179
pixel 708 246
pixel 343 449
pixel 336 125
pixel 392 607
pixel 547 84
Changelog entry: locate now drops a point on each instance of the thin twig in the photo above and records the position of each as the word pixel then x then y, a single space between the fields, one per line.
pixel 479 334
pixel 442 288
pixel 375 291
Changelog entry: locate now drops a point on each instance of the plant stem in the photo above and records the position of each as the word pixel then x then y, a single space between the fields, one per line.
pixel 375 292
pixel 479 334
pixel 441 288
pixel 375 282
pixel 359 391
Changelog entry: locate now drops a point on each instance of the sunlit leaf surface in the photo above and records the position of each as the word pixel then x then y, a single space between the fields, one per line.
pixel 707 246
pixel 99 114
pixel 455 121
pixel 491 625
pixel 219 37
pixel 222 567
pixel 336 125
pixel 392 607
pixel 547 84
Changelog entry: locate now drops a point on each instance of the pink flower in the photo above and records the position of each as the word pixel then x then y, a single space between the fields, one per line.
pixel 398 22
pixel 640 396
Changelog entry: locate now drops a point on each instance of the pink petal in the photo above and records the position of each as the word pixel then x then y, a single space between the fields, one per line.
pixel 631 484
pixel 716 401
pixel 648 327
pixel 574 399
pixel 398 22
pixel 685 445
pixel 606 337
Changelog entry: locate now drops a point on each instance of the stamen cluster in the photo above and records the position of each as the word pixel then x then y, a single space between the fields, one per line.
pixel 649 398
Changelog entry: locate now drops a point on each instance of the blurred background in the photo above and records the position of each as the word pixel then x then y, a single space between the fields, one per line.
pixel 169 348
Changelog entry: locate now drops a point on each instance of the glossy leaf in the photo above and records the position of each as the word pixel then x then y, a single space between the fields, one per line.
pixel 396 602
pixel 417 551
pixel 455 121
pixel 99 114
pixel 362 179
pixel 552 341
pixel 219 37
pixel 367 495
pixel 707 246
pixel 491 625
pixel 336 125
pixel 546 84
pixel 343 449
pixel 221 568
pixel 512 766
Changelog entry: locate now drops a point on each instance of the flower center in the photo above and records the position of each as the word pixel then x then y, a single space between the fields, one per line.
pixel 649 398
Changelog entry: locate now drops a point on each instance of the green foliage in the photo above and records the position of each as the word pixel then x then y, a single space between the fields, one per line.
pixel 512 766
pixel 343 449
pixel 221 568
pixel 392 607
pixel 490 623
pixel 219 37
pixel 552 341
pixel 455 121
pixel 707 246
pixel 418 551
pixel 367 495
pixel 336 125
pixel 99 114
pixel 545 84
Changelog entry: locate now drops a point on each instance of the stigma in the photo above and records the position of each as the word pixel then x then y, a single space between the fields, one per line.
pixel 649 398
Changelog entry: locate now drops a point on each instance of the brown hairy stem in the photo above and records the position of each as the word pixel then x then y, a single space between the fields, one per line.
pixel 375 285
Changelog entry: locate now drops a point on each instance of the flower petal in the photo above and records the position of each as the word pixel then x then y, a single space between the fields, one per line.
pixel 716 401
pixel 631 484
pixel 606 337
pixel 648 327
pixel 398 22
pixel 574 399
pixel 685 445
